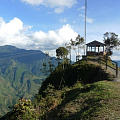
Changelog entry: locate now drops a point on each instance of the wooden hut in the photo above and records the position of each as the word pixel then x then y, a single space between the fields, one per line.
pixel 95 48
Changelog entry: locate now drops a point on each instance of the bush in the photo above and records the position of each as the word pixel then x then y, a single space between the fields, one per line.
pixel 83 72
pixel 23 110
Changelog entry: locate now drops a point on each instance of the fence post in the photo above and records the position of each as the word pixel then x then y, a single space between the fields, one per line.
pixel 116 69
pixel 106 62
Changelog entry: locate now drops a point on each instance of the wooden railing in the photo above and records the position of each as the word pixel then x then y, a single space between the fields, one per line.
pixel 107 62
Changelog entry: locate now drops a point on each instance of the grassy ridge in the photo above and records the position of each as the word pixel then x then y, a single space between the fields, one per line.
pixel 99 100
pixel 74 98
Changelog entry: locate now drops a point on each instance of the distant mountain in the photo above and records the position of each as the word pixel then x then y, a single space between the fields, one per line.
pixel 21 73
pixel 118 63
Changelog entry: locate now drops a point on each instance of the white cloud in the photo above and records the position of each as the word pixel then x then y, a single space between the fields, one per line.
pixel 12 33
pixel 58 5
pixel 33 2
pixel 53 39
pixel 17 34
pixel 11 28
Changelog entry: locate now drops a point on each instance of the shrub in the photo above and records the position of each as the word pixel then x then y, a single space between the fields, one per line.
pixel 83 72
pixel 23 110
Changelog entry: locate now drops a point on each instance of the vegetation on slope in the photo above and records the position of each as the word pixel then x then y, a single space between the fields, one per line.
pixel 98 100
pixel 77 97
pixel 21 74
pixel 68 75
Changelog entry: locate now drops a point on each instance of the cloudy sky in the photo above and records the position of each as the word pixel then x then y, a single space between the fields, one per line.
pixel 48 24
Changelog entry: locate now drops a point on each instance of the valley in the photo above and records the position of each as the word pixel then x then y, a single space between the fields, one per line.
pixel 21 74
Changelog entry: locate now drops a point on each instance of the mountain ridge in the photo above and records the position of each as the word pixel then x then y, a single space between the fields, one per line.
pixel 23 72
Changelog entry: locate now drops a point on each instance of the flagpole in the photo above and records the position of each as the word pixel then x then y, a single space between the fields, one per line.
pixel 85 26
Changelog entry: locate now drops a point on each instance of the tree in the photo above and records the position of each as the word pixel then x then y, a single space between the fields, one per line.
pixel 24 110
pixel 51 65
pixel 111 41
pixel 73 45
pixel 61 53
pixel 79 42
pixel 69 47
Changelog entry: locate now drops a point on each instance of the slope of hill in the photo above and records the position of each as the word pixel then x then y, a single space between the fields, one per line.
pixel 98 100
pixel 21 74
pixel 74 98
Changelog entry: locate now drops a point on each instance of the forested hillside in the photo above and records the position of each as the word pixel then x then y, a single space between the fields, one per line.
pixel 21 74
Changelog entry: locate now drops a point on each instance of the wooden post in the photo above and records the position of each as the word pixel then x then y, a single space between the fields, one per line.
pixel 70 55
pixel 95 51
pixel 95 48
pixel 106 61
pixel 116 69
pixel 86 50
pixel 98 49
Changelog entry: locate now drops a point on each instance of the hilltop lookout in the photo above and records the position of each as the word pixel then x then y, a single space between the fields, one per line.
pixel 95 48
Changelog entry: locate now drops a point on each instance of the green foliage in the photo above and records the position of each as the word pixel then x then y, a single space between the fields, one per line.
pixel 89 102
pixel 111 41
pixel 99 100
pixel 83 72
pixel 21 74
pixel 17 81
pixel 45 104
pixel 76 99
pixel 57 76
pixel 61 52
pixel 79 40
pixel 23 110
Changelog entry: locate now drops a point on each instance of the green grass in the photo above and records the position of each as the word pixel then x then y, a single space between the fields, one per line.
pixel 100 100
pixel 102 61
pixel 82 95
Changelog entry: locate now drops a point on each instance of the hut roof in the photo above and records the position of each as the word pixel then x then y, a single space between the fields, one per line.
pixel 95 44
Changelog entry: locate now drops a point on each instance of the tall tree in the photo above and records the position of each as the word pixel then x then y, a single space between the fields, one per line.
pixel 73 44
pixel 62 53
pixel 111 41
pixel 79 43
pixel 68 46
